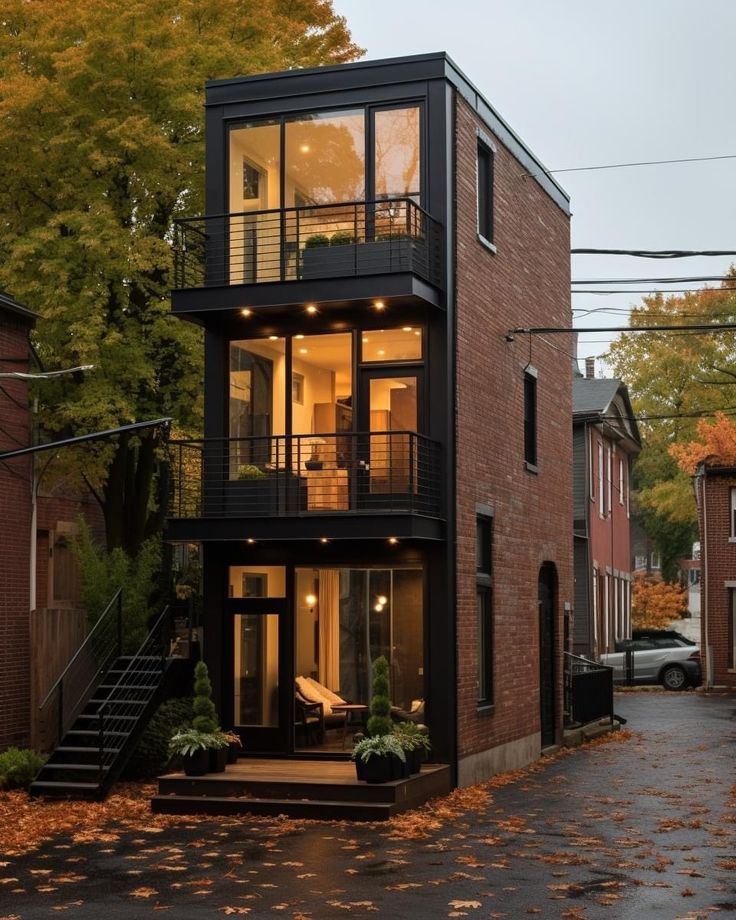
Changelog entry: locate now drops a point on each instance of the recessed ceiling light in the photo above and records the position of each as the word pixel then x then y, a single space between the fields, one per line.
pixel 250 540
pixel 379 304
pixel 417 332
pixel 305 148
pixel 311 308
pixel 365 340
pixel 407 329
pixel 300 336
pixel 381 351
pixel 303 351
pixel 323 540
pixel 393 541
pixel 273 338
pixel 246 312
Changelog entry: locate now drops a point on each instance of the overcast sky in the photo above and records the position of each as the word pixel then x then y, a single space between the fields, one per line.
pixel 586 83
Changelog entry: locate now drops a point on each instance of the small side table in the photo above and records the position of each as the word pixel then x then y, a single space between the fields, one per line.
pixel 348 709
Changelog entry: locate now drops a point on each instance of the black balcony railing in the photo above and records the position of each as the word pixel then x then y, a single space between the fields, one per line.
pixel 309 242
pixel 300 475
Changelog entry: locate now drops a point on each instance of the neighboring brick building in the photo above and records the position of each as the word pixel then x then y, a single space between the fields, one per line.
pixel 715 494
pixel 15 534
pixel 388 469
pixel 605 443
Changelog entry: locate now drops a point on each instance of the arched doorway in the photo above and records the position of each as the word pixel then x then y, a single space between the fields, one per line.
pixel 547 603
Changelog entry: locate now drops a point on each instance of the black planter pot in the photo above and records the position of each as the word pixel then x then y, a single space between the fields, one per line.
pixel 313 464
pixel 377 769
pixel 196 764
pixel 217 759
pixel 414 760
pixel 233 750
pixel 360 769
pixel 399 768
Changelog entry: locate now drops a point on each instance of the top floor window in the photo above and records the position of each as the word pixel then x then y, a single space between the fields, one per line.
pixel 323 158
pixel 530 417
pixel 485 192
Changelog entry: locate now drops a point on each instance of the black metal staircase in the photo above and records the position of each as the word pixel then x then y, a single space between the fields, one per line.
pixel 103 702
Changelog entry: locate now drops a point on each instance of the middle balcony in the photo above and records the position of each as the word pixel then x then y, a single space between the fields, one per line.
pixel 335 253
pixel 382 474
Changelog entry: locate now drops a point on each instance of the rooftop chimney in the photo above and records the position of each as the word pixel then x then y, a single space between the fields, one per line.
pixel 590 368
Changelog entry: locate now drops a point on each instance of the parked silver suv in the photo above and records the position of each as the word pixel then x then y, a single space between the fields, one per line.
pixel 660 657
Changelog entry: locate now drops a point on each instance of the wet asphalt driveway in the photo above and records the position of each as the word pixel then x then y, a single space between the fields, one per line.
pixel 641 827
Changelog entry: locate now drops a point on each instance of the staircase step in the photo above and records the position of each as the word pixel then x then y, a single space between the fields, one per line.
pixel 93 715
pixel 71 749
pixel 117 702
pixel 82 767
pixel 51 787
pixel 90 733
pixel 294 808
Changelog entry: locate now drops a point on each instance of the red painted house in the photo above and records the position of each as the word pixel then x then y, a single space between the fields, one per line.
pixel 715 494
pixel 605 442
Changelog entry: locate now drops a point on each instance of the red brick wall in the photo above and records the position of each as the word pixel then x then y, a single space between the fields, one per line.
pixel 718 566
pixel 526 283
pixel 15 535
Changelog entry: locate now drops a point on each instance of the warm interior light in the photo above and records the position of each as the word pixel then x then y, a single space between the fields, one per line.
pixel 250 540
pixel 379 304
pixel 365 340
pixel 303 351
pixel 311 600
pixel 417 332
pixel 407 329
pixel 382 600
pixel 378 608
pixel 305 148
pixel 273 338
pixel 393 541
pixel 300 336
pixel 246 312
pixel 381 351
pixel 323 540
pixel 311 308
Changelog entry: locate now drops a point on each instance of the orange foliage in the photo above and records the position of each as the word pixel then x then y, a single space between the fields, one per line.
pixel 656 603
pixel 717 444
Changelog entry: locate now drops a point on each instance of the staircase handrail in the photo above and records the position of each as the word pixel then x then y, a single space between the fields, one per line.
pixel 117 596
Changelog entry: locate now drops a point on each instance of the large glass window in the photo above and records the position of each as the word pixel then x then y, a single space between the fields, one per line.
pixel 345 619
pixel 397 152
pixel 393 408
pixel 325 158
pixel 257 402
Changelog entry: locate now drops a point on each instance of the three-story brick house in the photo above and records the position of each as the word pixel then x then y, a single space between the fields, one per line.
pixel 385 469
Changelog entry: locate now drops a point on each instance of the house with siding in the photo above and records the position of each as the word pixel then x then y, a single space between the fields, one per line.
pixel 605 443
pixel 385 469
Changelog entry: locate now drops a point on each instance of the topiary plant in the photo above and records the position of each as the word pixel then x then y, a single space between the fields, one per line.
pixel 342 238
pixel 316 240
pixel 380 722
pixel 205 714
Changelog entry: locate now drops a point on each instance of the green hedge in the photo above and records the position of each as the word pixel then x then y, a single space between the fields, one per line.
pixel 18 767
pixel 151 756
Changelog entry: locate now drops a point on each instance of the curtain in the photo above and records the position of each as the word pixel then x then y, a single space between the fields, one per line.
pixel 329 628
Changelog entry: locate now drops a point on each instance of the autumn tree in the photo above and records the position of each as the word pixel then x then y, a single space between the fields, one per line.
pixel 655 604
pixel 715 444
pixel 101 105
pixel 674 378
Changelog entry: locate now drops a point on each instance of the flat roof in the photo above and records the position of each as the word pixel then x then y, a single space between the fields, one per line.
pixel 387 71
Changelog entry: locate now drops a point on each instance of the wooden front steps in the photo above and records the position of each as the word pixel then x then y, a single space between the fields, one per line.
pixel 327 790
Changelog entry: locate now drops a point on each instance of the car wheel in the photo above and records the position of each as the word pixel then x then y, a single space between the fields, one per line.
pixel 674 678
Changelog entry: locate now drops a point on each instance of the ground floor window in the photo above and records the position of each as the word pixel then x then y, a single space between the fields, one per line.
pixel 732 628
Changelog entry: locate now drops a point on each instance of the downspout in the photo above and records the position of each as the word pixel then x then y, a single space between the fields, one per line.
pixel 700 481
pixel 34 519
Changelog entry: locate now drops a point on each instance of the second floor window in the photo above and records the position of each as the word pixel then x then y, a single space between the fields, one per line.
pixel 530 416
pixel 601 494
pixel 732 533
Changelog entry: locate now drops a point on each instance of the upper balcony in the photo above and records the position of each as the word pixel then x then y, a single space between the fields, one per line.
pixel 305 254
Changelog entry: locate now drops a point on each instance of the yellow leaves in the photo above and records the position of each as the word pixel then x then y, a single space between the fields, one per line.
pixel 143 893
pixel 461 905
pixel 230 911
pixel 656 603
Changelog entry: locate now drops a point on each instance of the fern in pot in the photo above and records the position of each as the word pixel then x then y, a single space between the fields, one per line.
pixel 379 757
pixel 414 740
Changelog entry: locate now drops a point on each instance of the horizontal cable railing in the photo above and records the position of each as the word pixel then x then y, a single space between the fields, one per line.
pixel 308 242
pixel 72 689
pixel 290 475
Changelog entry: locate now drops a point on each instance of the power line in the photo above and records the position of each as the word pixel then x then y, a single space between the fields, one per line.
pixel 659 291
pixel 549 172
pixel 654 253
pixel 704 327
pixel 652 280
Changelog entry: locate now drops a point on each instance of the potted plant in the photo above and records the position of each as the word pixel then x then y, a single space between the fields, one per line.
pixel 329 257
pixel 193 749
pixel 379 759
pixel 234 744
pixel 414 739
pixel 205 719
pixel 249 471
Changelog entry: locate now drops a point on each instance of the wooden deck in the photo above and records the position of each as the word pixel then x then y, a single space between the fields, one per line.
pixel 298 788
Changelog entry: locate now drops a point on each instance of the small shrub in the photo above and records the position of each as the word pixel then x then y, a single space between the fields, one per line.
pixel 250 471
pixel 342 238
pixel 380 722
pixel 151 756
pixel 316 240
pixel 392 236
pixel 205 714
pixel 18 767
